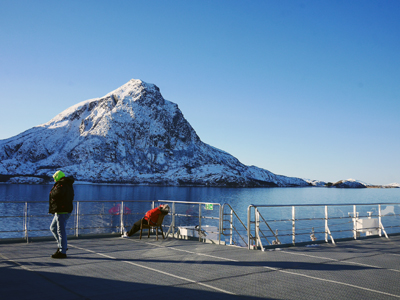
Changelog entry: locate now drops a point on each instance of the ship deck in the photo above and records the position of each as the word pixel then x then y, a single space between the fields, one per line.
pixel 118 268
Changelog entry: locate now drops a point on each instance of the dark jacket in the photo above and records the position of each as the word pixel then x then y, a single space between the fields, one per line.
pixel 61 196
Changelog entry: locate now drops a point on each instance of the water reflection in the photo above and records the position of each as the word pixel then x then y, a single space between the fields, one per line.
pixel 237 197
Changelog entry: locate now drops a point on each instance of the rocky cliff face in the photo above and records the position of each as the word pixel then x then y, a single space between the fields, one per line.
pixel 131 135
pixel 349 183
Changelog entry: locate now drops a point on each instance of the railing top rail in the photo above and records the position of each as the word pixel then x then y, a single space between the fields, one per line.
pixel 78 200
pixel 113 200
pixel 227 204
pixel 335 204
pixel 189 202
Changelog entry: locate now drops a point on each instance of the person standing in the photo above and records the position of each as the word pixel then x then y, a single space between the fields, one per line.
pixel 60 205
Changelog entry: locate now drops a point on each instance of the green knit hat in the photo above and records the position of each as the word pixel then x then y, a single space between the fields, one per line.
pixel 58 175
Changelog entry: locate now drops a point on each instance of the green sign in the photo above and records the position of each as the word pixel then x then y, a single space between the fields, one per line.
pixel 209 206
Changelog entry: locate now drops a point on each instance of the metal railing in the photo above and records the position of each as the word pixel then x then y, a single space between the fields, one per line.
pixel 30 219
pixel 232 227
pixel 269 225
pixel 190 216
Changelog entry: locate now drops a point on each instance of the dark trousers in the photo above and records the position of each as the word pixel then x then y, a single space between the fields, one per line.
pixel 136 227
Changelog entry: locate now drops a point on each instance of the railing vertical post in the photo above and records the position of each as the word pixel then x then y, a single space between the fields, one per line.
pixel 326 223
pixel 173 219
pixel 26 222
pixel 231 229
pixel 199 222
pixel 257 229
pixel 354 222
pixel 293 225
pixel 220 224
pixel 257 226
pixel 381 228
pixel 248 226
pixel 379 220
pixel 122 217
pixel 77 219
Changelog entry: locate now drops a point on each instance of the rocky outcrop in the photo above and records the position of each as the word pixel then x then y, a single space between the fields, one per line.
pixel 349 183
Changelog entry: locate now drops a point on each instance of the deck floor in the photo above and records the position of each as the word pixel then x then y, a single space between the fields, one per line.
pixel 118 268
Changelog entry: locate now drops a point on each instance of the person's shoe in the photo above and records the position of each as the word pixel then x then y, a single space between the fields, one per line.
pixel 59 255
pixel 125 235
pixel 58 250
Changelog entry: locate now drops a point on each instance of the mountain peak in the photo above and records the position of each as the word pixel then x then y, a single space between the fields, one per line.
pixel 135 89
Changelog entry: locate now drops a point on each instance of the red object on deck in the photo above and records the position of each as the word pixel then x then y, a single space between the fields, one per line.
pixel 116 209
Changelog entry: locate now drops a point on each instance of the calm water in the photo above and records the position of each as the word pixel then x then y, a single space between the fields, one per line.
pixel 238 198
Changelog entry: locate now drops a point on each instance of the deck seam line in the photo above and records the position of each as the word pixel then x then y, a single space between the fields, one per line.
pixel 280 270
pixel 158 271
pixel 42 276
pixel 17 263
pixel 341 261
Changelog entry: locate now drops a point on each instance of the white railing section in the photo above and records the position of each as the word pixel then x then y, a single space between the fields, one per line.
pixel 233 229
pixel 187 219
pixel 271 225
pixel 30 219
pixel 267 225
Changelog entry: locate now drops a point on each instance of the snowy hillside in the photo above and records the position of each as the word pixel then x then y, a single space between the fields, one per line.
pixel 350 183
pixel 131 135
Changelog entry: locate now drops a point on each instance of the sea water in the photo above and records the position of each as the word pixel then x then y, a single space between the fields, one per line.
pixel 236 197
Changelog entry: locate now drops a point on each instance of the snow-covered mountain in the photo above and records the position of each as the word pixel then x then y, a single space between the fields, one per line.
pixel 350 183
pixel 353 183
pixel 131 135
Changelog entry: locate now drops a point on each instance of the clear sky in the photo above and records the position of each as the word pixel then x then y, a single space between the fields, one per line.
pixel 309 89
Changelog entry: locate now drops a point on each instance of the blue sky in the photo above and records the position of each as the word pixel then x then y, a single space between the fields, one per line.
pixel 309 89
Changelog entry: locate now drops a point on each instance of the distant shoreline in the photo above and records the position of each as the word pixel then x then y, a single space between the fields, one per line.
pixel 381 187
